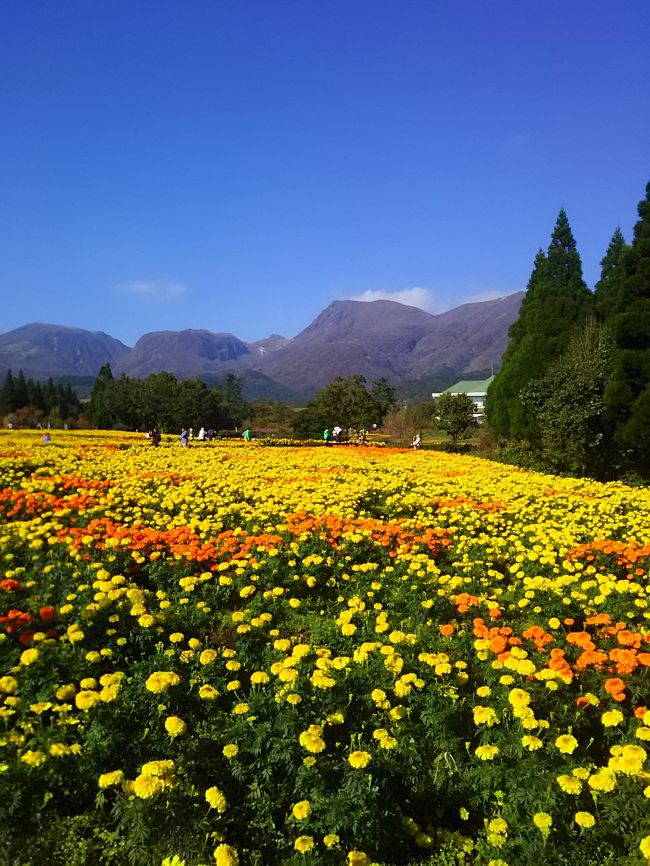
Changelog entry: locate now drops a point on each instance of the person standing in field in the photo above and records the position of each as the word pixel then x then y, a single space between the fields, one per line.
pixel 184 437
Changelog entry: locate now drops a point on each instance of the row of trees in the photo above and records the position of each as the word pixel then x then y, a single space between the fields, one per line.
pixel 164 402
pixel 574 386
pixel 29 403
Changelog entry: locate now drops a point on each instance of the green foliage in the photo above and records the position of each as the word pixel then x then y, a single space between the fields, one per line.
pixel 37 401
pixel 346 402
pixel 556 300
pixel 163 402
pixel 626 308
pixel 402 424
pixel 569 407
pixel 454 413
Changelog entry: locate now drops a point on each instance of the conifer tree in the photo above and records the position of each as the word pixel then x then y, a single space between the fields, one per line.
pixel 557 300
pixel 608 291
pixel 627 395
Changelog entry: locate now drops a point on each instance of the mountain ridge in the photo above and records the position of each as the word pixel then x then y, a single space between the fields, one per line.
pixel 372 338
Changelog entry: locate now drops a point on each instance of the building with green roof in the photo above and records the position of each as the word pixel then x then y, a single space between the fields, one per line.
pixel 474 388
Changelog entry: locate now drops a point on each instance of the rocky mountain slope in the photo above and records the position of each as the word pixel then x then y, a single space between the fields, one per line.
pixel 376 339
pixel 41 351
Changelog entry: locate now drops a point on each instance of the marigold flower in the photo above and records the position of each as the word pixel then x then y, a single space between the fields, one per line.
pixel 147 787
pixel 174 726
pixel 231 750
pixel 304 844
pixel 28 657
pixel 569 784
pixel 543 821
pixel 301 810
pixel 225 855
pixel 486 753
pixel 584 819
pixel 108 780
pixel 566 743
pixel 216 799
pixel 485 716
pixel 359 759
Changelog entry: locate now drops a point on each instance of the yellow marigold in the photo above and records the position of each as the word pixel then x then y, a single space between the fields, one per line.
pixel 612 718
pixel 160 681
pixel 108 780
pixel 602 780
pixel 331 840
pixel 359 759
pixel 231 750
pixel 304 844
pixel 301 810
pixel 566 743
pixel 569 784
pixel 312 740
pixel 644 845
pixel 28 657
pixel 531 743
pixel 174 726
pixel 208 693
pixel 358 858
pixel 519 698
pixel 147 787
pixel 207 656
pixel 8 685
pixel 584 819
pixel 259 678
pixel 225 855
pixel 216 799
pixel 543 821
pixel 486 753
pixel 485 716
pixel 87 699
pixel 33 758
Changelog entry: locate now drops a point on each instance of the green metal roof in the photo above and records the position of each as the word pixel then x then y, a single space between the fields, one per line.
pixel 469 386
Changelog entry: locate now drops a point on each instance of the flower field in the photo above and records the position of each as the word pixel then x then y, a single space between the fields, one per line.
pixel 234 653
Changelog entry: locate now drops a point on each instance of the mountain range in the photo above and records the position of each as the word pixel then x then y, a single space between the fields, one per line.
pixel 375 339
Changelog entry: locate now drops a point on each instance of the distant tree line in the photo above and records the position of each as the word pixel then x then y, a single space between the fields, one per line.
pixel 166 403
pixel 573 392
pixel 29 402
pixel 348 403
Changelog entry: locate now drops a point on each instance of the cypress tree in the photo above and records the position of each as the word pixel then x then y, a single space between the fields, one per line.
pixel 557 300
pixel 608 291
pixel 8 394
pixel 627 395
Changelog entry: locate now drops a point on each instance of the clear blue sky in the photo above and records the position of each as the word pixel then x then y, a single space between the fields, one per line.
pixel 237 165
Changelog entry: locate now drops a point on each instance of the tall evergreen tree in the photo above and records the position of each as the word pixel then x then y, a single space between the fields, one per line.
pixel 20 390
pixel 8 395
pixel 627 395
pixel 608 291
pixel 556 301
pixel 99 406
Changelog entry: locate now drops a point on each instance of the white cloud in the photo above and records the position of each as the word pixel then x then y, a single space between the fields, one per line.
pixel 414 297
pixel 157 290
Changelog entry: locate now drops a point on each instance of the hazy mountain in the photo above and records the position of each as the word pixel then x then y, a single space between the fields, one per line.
pixel 184 353
pixel 41 351
pixel 384 338
pixel 376 339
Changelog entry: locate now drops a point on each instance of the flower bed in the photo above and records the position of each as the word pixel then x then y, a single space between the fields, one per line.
pixel 318 656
